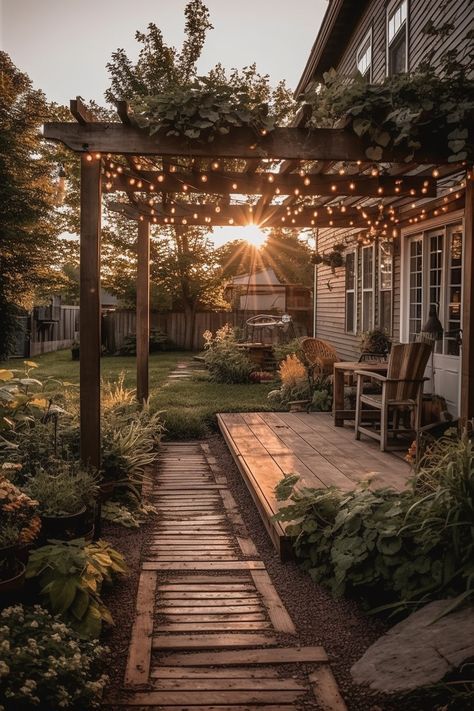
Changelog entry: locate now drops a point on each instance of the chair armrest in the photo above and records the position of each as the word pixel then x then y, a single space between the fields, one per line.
pixel 371 375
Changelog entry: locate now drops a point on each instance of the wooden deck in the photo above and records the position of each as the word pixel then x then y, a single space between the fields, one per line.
pixel 266 446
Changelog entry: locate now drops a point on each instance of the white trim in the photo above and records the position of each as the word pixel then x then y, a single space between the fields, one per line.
pixel 389 10
pixel 380 290
pixel 432 223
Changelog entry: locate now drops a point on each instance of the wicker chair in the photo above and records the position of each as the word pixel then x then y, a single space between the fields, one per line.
pixel 319 357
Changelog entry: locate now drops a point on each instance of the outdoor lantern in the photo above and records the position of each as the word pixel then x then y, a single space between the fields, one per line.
pixel 433 330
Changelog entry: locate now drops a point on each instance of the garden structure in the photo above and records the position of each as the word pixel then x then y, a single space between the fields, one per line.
pixel 146 171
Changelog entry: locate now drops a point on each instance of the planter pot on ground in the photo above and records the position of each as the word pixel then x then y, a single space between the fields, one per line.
pixel 299 405
pixel 11 586
pixel 64 528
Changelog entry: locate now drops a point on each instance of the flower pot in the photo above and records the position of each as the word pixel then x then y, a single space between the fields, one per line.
pixel 107 488
pixel 299 405
pixel 64 528
pixel 14 583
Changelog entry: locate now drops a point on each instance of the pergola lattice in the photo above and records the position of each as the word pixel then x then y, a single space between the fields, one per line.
pixel 290 178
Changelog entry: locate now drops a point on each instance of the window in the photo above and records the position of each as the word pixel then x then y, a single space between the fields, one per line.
pixel 351 304
pixel 367 288
pixel 385 287
pixel 397 38
pixel 435 277
pixel 364 57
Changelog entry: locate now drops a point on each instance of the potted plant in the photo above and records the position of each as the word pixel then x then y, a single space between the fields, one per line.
pixel 375 342
pixel 63 498
pixel 19 527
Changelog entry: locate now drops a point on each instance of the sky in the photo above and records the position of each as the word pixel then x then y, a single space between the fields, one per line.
pixel 64 45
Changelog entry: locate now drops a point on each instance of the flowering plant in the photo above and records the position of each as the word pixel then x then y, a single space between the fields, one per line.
pixel 20 524
pixel 43 664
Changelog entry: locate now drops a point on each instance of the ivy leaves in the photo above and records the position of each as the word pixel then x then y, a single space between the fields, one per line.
pixel 422 112
pixel 203 110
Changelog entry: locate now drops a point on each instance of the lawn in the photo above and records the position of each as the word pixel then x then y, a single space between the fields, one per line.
pixel 189 407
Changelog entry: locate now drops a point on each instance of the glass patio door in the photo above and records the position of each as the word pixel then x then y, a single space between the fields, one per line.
pixel 435 277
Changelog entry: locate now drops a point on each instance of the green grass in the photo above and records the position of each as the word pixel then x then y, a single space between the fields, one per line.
pixel 189 407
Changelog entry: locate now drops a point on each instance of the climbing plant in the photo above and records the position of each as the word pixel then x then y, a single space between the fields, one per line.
pixel 407 113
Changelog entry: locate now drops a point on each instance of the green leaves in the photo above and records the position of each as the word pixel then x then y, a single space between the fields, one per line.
pixel 71 575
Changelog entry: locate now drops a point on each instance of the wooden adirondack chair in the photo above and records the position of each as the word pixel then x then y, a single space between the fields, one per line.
pixel 402 389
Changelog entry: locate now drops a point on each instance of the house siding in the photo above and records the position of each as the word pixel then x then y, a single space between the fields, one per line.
pixel 330 321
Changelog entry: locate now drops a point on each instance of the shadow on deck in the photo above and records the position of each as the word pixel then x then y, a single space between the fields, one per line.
pixel 267 446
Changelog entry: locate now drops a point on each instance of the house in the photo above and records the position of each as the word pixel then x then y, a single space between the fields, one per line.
pixel 390 284
pixel 263 292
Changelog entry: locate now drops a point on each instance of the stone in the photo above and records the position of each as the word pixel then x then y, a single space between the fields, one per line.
pixel 419 651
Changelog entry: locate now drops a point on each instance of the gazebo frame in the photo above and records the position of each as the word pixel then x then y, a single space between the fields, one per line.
pixel 97 143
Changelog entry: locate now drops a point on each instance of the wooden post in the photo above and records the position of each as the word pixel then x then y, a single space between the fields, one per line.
pixel 467 361
pixel 89 325
pixel 143 308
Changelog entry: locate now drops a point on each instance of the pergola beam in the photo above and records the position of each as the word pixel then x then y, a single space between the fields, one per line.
pixel 147 181
pixel 241 215
pixel 283 143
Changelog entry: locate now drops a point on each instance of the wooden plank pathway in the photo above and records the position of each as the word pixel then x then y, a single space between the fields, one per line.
pixel 210 630
pixel 267 446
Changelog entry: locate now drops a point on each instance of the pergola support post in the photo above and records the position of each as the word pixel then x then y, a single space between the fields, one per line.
pixel 89 326
pixel 143 309
pixel 467 362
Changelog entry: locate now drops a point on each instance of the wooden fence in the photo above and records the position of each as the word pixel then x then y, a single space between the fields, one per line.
pixel 119 324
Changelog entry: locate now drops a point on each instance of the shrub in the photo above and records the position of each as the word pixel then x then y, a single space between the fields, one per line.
pixel 158 342
pixel 227 363
pixel 45 665
pixel 401 549
pixel 70 575
pixel 283 350
pixel 127 512
pixel 63 492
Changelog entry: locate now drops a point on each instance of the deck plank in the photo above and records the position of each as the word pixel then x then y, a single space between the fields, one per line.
pixel 268 446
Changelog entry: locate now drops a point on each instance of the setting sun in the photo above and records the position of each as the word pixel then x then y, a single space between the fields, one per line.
pixel 253 235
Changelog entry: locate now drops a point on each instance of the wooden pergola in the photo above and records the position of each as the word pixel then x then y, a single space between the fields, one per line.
pixel 289 178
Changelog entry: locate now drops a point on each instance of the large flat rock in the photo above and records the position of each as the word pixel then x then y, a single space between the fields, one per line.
pixel 418 651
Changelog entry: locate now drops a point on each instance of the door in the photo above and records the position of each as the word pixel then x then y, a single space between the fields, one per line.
pixel 434 265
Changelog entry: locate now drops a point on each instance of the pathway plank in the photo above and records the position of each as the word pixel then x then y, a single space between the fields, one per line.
pixel 161 699
pixel 276 655
pixel 210 641
pixel 138 663
pixel 211 565
pixel 326 691
pixel 276 610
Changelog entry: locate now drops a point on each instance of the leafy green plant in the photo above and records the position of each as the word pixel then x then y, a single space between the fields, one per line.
pixel 127 513
pixel 282 350
pixel 375 341
pixel 65 491
pixel 226 361
pixel 45 665
pixel 394 550
pixel 70 575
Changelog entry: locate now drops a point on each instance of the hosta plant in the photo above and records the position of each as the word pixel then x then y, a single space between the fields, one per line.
pixel 70 576
pixel 44 665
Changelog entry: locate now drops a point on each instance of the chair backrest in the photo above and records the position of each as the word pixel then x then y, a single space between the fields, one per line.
pixel 319 354
pixel 407 361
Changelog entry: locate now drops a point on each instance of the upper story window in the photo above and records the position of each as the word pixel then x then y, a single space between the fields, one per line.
pixel 364 57
pixel 397 37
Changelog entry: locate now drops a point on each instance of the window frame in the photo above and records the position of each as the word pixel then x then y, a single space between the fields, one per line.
pixel 404 27
pixel 369 35
pixel 352 291
pixel 388 290
pixel 367 290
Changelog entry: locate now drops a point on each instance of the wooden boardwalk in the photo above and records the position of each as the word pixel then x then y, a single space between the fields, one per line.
pixel 210 631
pixel 267 446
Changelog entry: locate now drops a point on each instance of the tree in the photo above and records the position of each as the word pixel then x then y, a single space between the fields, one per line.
pixel 182 260
pixel 29 226
pixel 283 251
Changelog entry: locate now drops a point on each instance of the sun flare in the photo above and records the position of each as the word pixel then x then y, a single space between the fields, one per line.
pixel 253 235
